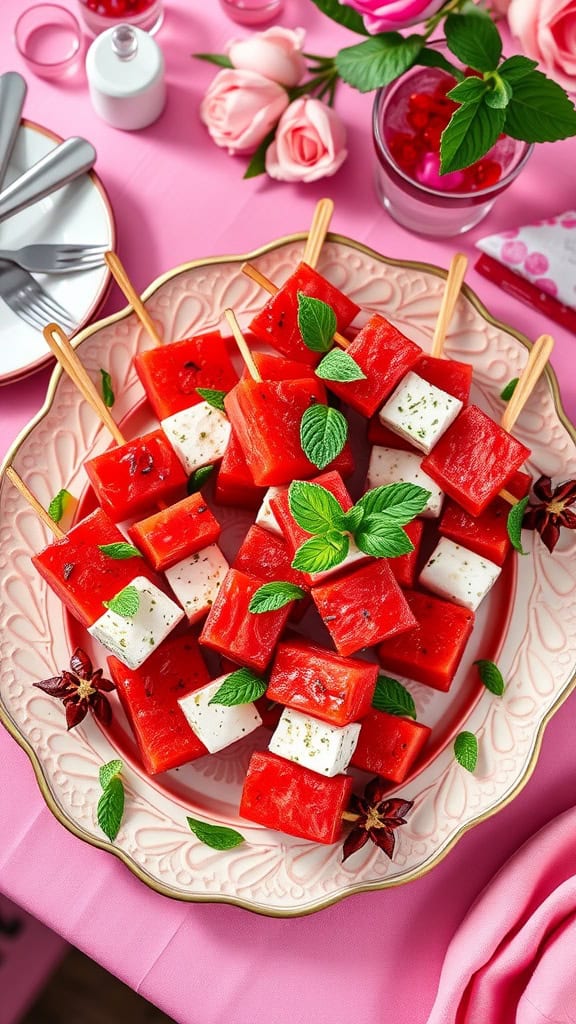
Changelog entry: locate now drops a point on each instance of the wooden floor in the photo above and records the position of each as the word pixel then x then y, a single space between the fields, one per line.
pixel 81 991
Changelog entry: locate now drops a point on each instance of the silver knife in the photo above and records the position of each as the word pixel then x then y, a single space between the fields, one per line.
pixel 70 159
pixel 12 93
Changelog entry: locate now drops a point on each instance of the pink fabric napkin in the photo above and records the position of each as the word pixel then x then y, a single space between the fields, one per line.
pixel 513 959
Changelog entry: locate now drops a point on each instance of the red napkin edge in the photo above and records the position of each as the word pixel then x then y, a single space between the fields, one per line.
pixel 528 293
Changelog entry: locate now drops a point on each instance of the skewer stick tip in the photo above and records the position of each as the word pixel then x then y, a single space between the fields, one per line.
pixel 33 502
pixel 240 340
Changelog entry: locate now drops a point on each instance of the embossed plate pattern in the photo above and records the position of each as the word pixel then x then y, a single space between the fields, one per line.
pixel 272 873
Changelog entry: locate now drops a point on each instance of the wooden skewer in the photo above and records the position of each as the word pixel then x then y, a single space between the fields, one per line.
pixel 318 231
pixel 119 274
pixel 241 342
pixel 40 511
pixel 537 359
pixel 67 357
pixel 456 275
pixel 272 289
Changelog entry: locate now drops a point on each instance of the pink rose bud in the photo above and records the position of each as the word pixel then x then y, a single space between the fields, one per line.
pixel 276 54
pixel 547 33
pixel 310 143
pixel 241 108
pixel 393 15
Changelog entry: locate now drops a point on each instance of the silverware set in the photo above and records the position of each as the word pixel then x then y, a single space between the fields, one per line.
pixel 19 290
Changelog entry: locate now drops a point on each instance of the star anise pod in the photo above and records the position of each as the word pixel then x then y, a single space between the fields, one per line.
pixel 375 818
pixel 81 689
pixel 551 511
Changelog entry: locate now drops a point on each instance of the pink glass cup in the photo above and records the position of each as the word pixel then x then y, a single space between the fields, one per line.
pixel 252 12
pixel 49 39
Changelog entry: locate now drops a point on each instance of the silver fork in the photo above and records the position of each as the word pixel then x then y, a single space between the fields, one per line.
pixel 25 297
pixel 56 259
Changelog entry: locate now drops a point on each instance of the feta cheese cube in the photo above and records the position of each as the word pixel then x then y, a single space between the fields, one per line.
pixel 215 724
pixel 458 574
pixel 198 435
pixel 354 555
pixel 391 466
pixel 419 411
pixel 326 749
pixel 133 639
pixel 266 518
pixel 196 580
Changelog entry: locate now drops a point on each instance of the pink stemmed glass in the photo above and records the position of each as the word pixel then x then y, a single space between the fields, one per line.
pixel 252 12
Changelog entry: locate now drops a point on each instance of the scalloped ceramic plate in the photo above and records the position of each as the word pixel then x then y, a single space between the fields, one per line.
pixel 528 622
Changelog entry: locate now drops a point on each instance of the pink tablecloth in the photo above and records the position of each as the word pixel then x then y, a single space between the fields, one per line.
pixel 375 956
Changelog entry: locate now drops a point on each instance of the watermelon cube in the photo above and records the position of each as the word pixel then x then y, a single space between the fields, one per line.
pixel 171 373
pixel 486 534
pixel 389 745
pixel 234 631
pixel 133 478
pixel 176 532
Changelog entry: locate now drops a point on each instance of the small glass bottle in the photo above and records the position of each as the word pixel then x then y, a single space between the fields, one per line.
pixel 98 15
pixel 252 12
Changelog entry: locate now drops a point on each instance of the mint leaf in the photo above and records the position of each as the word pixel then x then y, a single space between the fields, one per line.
pixel 257 163
pixel 343 15
pixel 466 750
pixel 516 67
pixel 382 539
pixel 393 698
pixel 214 397
pixel 218 837
pixel 378 61
pixel 432 58
pixel 514 524
pixel 317 323
pixel 198 478
pixel 126 603
pixel 323 433
pixel 321 553
pixel 272 596
pixel 474 39
pixel 539 110
pixel 108 771
pixel 471 90
pixel 119 550
pixel 57 506
pixel 111 808
pixel 491 676
pixel 313 507
pixel 240 687
pixel 509 389
pixel 353 518
pixel 500 94
pixel 471 132
pixel 220 59
pixel 401 502
pixel 107 390
pixel 338 365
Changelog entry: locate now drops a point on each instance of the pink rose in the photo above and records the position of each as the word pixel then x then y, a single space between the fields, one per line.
pixel 547 32
pixel 241 108
pixel 500 7
pixel 276 54
pixel 310 143
pixel 393 15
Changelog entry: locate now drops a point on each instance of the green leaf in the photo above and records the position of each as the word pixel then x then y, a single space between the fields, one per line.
pixel 474 39
pixel 392 697
pixel 240 687
pixel 346 16
pixel 382 540
pixel 257 163
pixel 338 365
pixel 499 96
pixel 108 771
pixel 471 132
pixel 491 676
pixel 313 507
pixel 401 502
pixel 214 397
pixel 218 837
pixel 539 111
pixel 126 603
pixel 466 750
pixel 120 550
pixel 516 67
pixel 317 323
pixel 509 389
pixel 198 478
pixel 107 390
pixel 514 524
pixel 57 506
pixel 353 518
pixel 220 59
pixel 323 433
pixel 321 553
pixel 272 596
pixel 378 61
pixel 429 57
pixel 111 808
pixel 471 90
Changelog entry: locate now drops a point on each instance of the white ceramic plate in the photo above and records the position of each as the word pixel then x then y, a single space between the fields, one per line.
pixel 78 213
pixel 528 622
